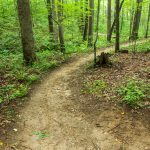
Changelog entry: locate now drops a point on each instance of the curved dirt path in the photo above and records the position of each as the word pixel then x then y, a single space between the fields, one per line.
pixel 45 112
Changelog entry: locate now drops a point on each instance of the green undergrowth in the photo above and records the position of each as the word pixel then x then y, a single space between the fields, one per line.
pixel 135 92
pixel 16 78
pixel 142 47
pixel 95 87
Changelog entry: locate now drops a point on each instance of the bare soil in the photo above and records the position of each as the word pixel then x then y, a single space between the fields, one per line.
pixel 58 116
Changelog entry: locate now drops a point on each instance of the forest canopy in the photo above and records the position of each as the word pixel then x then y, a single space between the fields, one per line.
pixel 73 22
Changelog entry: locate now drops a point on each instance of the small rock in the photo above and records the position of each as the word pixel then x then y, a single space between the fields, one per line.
pixel 15 130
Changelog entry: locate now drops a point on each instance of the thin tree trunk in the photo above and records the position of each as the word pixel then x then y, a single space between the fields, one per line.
pixel 114 22
pixel 114 29
pixel 60 27
pixel 131 19
pixel 86 22
pixel 50 19
pixel 55 25
pixel 108 20
pixel 81 19
pixel 97 27
pixel 122 21
pixel 91 23
pixel 136 22
pixel 117 44
pixel 24 14
pixel 148 20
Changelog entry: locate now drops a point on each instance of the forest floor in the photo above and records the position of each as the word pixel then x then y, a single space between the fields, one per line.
pixel 60 115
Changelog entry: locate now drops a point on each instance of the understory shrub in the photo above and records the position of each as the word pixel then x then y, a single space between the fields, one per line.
pixel 134 92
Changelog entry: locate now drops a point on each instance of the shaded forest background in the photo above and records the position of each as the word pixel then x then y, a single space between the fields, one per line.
pixel 74 12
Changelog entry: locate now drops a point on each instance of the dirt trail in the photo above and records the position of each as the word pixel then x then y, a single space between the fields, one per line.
pixel 45 112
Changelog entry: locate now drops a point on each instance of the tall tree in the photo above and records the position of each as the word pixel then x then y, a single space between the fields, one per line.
pixel 55 23
pixel 86 21
pixel 25 20
pixel 50 19
pixel 97 27
pixel 60 26
pixel 117 44
pixel 108 20
pixel 81 20
pixel 115 19
pixel 131 18
pixel 91 23
pixel 148 20
pixel 122 20
pixel 136 22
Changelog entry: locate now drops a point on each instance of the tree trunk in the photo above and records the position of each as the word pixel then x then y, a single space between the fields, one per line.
pixel 147 28
pixel 114 22
pixel 97 27
pixel 60 27
pixel 117 44
pixel 55 25
pixel 86 22
pixel 108 20
pixel 25 21
pixel 131 19
pixel 114 28
pixel 136 22
pixel 50 19
pixel 122 20
pixel 91 23
pixel 81 19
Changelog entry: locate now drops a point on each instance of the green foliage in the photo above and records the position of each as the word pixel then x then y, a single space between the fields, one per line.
pixel 12 91
pixel 9 25
pixel 40 135
pixel 21 91
pixel 5 92
pixel 95 87
pixel 134 92
pixel 48 59
pixel 76 47
pixel 20 75
pixel 32 78
pixel 17 77
pixel 143 47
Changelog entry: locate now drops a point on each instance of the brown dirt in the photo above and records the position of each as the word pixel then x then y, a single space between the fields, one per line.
pixel 72 121
pixel 130 127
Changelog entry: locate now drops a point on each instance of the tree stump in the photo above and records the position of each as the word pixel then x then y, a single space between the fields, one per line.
pixel 103 60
